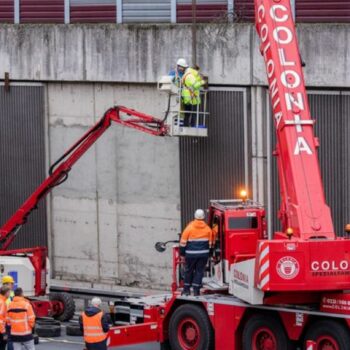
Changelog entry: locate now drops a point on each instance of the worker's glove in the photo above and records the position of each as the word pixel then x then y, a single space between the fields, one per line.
pixel 182 259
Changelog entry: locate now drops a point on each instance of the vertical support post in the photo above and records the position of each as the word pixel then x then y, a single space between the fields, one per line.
pixel 292 4
pixel 119 5
pixel 17 12
pixel 230 10
pixel 66 11
pixel 194 32
pixel 173 11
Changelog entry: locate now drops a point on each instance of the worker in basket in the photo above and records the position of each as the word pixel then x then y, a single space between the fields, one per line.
pixel 95 325
pixel 178 73
pixel 192 82
pixel 195 243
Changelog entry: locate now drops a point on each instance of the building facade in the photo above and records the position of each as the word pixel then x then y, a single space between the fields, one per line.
pixel 132 190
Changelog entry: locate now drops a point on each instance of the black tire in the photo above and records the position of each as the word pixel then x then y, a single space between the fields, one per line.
pixel 262 328
pixel 329 332
pixel 48 331
pixel 165 345
pixel 48 321
pixel 36 339
pixel 69 306
pixel 74 330
pixel 195 318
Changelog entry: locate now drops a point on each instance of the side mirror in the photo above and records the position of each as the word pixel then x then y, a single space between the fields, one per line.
pixel 160 247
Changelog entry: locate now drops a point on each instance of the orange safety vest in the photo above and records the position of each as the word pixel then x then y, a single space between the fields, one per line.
pixel 93 332
pixel 20 317
pixel 3 310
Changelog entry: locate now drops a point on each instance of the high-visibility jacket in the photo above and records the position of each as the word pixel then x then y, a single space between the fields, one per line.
pixel 10 298
pixel 21 318
pixel 3 310
pixel 92 328
pixel 191 85
pixel 196 239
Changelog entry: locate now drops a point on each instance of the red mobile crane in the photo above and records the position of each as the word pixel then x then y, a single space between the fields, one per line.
pixel 30 265
pixel 270 293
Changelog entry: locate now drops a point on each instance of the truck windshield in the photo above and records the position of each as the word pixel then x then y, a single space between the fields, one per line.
pixel 242 223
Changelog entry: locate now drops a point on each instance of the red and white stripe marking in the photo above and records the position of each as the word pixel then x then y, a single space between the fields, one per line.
pixel 310 345
pixel 264 265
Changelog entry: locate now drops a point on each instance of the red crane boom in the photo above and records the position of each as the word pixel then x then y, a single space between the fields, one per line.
pixel 59 170
pixel 303 205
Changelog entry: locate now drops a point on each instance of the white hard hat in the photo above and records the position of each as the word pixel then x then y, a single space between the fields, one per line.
pixel 96 301
pixel 182 63
pixel 199 214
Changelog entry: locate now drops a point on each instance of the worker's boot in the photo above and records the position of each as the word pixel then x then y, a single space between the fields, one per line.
pixel 186 292
pixel 196 292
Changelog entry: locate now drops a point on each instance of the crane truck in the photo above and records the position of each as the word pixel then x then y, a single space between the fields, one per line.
pixel 287 291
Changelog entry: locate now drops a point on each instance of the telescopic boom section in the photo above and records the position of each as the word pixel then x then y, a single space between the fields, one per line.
pixel 59 170
pixel 303 207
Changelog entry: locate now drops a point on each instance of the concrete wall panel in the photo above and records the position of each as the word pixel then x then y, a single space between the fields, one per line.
pixel 141 53
pixel 122 196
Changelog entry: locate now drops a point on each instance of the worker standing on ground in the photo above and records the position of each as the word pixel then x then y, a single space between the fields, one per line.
pixel 178 73
pixel 8 281
pixel 21 319
pixel 195 243
pixel 4 294
pixel 192 82
pixel 95 325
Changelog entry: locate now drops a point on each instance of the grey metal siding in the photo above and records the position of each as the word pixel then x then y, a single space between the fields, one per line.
pixel 214 167
pixel 331 112
pixel 154 11
pixel 22 159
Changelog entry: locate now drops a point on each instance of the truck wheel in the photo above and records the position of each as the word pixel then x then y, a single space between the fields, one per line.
pixel 263 332
pixel 48 331
pixel 74 330
pixel 68 306
pixel 190 329
pixel 47 321
pixel 328 334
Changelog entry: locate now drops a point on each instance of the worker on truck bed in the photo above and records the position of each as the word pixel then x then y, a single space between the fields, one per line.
pixel 195 243
pixel 8 281
pixel 192 82
pixel 95 325
pixel 4 294
pixel 21 319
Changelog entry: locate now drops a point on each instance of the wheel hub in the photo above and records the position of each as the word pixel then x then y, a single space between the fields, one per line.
pixel 188 334
pixel 264 339
pixel 327 343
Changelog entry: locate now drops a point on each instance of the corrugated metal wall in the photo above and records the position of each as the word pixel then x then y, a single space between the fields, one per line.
pixel 6 11
pixel 41 11
pixel 22 158
pixel 206 10
pixel 214 167
pixel 323 10
pixel 146 11
pixel 93 11
pixel 244 10
pixel 331 112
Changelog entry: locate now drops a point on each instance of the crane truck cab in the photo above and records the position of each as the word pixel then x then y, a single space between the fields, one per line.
pixel 175 111
pixel 237 226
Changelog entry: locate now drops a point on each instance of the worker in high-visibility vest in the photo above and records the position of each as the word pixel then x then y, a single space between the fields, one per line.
pixel 192 82
pixel 4 294
pixel 21 319
pixel 178 73
pixel 8 281
pixel 195 244
pixel 95 325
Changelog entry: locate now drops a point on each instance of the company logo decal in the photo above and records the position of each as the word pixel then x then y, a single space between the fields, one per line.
pixel 288 267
